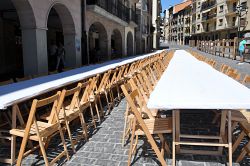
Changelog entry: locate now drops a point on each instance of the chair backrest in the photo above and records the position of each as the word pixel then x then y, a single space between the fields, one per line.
pixel 104 81
pixel 85 92
pixel 54 99
pixel 136 102
pixel 246 79
pixel 234 75
pixel 72 95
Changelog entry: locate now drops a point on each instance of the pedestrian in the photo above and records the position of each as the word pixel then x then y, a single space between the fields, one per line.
pixel 60 57
pixel 52 55
pixel 242 46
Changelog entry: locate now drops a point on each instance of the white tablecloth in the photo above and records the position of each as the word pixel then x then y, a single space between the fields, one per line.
pixel 22 91
pixel 189 83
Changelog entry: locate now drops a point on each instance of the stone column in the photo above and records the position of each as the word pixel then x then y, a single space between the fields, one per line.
pixel 35 59
pixel 72 45
pixel 109 46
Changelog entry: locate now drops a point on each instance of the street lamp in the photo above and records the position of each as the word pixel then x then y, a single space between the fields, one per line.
pixel 240 11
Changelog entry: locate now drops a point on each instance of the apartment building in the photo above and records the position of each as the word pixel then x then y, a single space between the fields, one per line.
pixel 207 20
pixel 143 30
pixel 218 19
pixel 179 23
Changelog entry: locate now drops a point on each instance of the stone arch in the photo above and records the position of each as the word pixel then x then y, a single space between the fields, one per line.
pixel 116 44
pixel 65 17
pixel 16 16
pixel 130 44
pixel 68 34
pixel 98 43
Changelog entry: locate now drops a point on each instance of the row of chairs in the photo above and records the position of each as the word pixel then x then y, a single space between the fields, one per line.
pixel 53 113
pixel 139 120
pixel 240 119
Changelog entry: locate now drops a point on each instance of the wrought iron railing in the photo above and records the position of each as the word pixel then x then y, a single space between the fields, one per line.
pixel 117 9
pixel 207 5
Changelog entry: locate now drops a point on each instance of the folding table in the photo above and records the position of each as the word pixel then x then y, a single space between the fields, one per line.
pixel 13 94
pixel 189 83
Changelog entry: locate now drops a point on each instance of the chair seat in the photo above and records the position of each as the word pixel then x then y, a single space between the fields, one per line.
pixel 157 126
pixel 45 129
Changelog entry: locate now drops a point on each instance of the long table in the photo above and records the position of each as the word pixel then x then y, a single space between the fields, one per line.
pixel 192 84
pixel 13 94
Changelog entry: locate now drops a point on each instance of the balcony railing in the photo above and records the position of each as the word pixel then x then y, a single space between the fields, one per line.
pixel 117 9
pixel 208 17
pixel 207 5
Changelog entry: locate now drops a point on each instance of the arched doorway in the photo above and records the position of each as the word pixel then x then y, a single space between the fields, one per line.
pixel 130 44
pixel 11 59
pixel 61 33
pixel 116 44
pixel 98 44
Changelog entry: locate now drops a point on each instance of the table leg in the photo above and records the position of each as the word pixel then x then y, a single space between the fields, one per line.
pixel 177 128
pixel 13 138
pixel 229 138
pixel 222 129
pixel 173 145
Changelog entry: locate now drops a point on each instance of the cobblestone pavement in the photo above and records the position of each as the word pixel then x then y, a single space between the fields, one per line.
pixel 104 146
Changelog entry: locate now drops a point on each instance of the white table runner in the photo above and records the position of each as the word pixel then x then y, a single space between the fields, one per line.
pixel 192 84
pixel 22 91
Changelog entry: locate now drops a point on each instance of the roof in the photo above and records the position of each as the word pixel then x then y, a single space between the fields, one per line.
pixel 181 6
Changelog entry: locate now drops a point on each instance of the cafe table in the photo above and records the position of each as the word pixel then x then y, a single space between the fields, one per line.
pixel 189 83
pixel 13 94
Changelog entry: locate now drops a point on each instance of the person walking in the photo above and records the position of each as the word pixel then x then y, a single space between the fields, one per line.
pixel 242 46
pixel 60 58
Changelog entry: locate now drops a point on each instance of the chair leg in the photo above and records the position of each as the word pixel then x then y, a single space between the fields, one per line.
pixel 107 100
pixel 216 117
pixel 97 111
pixel 131 143
pixel 84 126
pixel 63 141
pixel 238 140
pixel 70 136
pixel 125 127
pixel 92 115
pixel 101 107
pixel 135 144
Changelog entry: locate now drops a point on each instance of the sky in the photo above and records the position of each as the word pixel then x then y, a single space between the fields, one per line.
pixel 166 3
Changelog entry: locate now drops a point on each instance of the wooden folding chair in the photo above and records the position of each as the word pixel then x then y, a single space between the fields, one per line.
pixel 40 131
pixel 148 126
pixel 94 97
pixel 245 126
pixel 103 90
pixel 246 80
pixel 233 75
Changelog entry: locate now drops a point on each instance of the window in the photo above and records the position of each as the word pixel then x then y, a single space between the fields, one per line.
pixel 233 21
pixel 221 8
pixel 199 4
pixel 220 22
pixel 198 27
pixel 199 16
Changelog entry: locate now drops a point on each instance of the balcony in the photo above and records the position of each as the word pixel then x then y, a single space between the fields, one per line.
pixel 208 5
pixel 117 9
pixel 208 17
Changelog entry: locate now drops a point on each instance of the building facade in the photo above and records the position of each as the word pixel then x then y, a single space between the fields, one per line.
pixel 208 20
pixel 179 23
pixel 27 28
pixel 91 31
pixel 156 22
